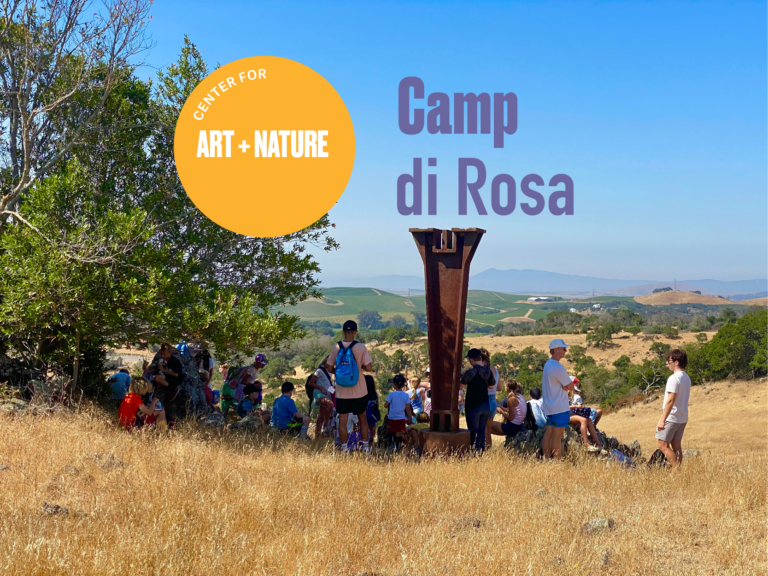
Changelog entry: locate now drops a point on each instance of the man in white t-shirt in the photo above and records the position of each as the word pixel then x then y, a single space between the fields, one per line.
pixel 555 384
pixel 674 417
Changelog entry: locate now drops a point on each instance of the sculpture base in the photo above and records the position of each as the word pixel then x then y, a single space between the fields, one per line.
pixel 446 443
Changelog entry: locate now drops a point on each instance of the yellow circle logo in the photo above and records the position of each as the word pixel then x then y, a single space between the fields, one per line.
pixel 264 146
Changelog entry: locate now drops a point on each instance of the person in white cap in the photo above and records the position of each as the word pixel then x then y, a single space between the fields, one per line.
pixel 555 384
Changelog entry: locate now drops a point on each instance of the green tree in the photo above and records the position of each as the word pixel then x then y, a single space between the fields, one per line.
pixel 420 320
pixel 114 202
pixel 56 60
pixel 276 370
pixel 622 364
pixel 659 349
pixel 701 337
pixel 728 316
pixel 634 330
pixel 599 338
pixel 398 321
pixel 370 319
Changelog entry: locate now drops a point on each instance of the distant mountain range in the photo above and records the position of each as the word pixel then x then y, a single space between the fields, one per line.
pixel 552 283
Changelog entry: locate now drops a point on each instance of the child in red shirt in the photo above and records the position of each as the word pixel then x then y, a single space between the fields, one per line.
pixel 136 411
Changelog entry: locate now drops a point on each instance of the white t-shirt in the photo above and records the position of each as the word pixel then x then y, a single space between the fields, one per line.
pixel 397 400
pixel 322 379
pixel 538 413
pixel 555 399
pixel 679 383
pixel 576 400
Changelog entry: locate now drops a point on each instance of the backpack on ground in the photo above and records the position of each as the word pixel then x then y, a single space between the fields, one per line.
pixel 347 372
pixel 657 459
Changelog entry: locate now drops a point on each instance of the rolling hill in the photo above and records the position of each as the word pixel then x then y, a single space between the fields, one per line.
pixel 339 304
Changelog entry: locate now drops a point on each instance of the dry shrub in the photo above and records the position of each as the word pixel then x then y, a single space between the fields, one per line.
pixel 199 503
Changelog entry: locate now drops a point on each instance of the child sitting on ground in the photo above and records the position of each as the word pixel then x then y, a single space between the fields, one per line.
pixel 399 411
pixel 285 416
pixel 414 437
pixel 140 407
pixel 249 401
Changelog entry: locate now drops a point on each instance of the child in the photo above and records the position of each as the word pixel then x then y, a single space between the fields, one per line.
pixel 139 407
pixel 414 437
pixel 399 408
pixel 285 415
pixel 513 410
pixel 250 400
pixel 416 395
pixel 372 414
pixel 205 380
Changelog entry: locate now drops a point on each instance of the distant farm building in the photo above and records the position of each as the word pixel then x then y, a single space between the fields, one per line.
pixel 595 305
pixel 573 310
pixel 539 299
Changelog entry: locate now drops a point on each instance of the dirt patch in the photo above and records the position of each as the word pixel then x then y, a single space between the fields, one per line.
pixel 677 297
pixel 518 319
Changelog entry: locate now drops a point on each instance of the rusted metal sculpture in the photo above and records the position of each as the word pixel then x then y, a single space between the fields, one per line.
pixel 447 255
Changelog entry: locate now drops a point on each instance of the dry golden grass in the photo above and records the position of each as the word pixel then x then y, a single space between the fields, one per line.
pixel 197 503
pixel 680 297
pixel 636 347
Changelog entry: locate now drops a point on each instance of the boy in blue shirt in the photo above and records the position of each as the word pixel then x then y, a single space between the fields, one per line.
pixel 285 415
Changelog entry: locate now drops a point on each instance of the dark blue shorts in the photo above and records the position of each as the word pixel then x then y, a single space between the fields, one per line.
pixel 510 429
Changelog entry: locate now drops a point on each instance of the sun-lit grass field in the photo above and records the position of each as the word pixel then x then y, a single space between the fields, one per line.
pixel 200 502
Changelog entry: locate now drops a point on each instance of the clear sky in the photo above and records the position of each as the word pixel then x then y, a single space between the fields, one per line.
pixel 657 110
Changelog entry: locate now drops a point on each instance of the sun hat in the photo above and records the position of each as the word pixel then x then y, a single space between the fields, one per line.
pixel 557 343
pixel 575 383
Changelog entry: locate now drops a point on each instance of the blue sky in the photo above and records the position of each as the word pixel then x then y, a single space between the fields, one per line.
pixel 656 110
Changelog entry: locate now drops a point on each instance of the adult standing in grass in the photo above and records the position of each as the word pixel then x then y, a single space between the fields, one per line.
pixel 351 399
pixel 478 380
pixel 674 417
pixel 555 385
pixel 491 396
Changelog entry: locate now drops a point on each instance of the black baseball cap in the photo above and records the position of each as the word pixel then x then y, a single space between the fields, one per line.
pixel 349 326
pixel 399 379
pixel 249 389
pixel 475 354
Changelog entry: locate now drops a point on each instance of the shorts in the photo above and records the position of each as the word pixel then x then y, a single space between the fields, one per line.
pixel 510 429
pixel 559 420
pixel 294 426
pixel 316 395
pixel 493 404
pixel 672 431
pixel 395 426
pixel 355 406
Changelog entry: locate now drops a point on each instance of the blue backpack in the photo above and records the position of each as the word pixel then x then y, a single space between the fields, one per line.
pixel 183 348
pixel 346 369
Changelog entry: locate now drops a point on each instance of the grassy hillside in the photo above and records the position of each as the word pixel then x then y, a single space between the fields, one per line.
pixel 200 502
pixel 340 304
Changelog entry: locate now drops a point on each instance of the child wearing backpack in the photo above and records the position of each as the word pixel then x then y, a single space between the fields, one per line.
pixel 347 360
